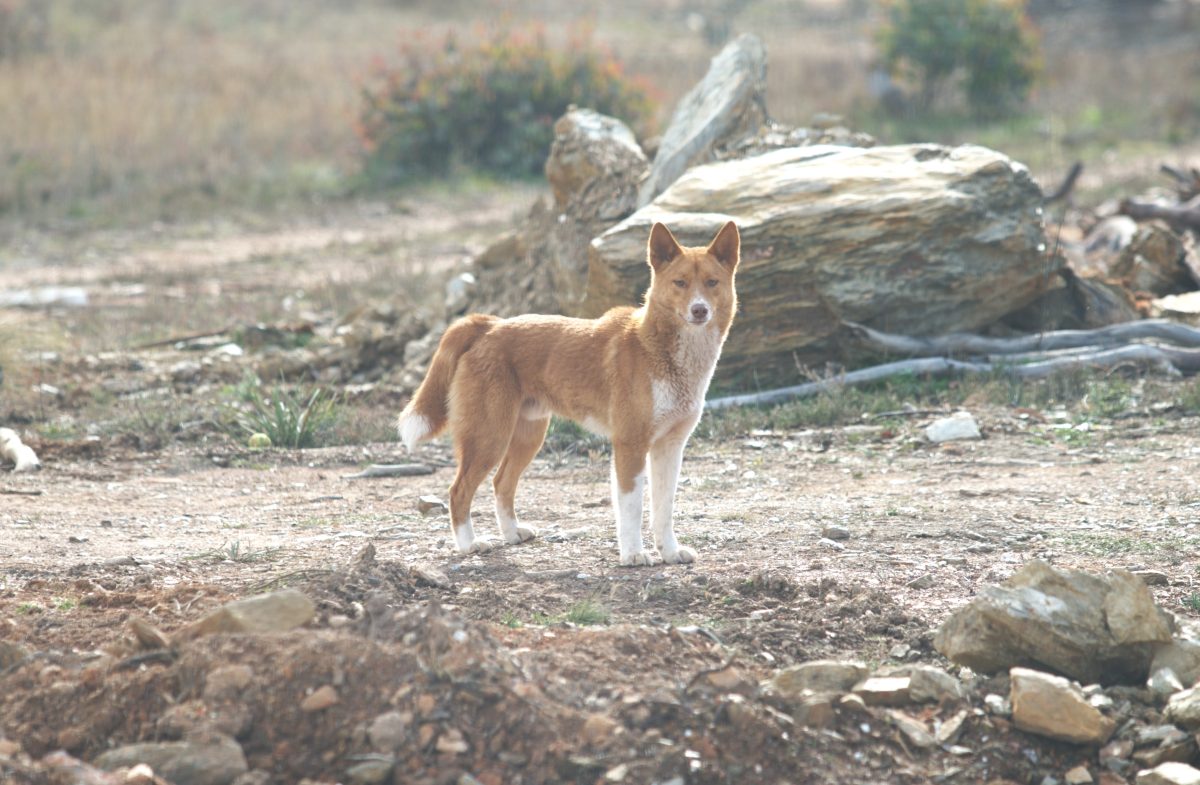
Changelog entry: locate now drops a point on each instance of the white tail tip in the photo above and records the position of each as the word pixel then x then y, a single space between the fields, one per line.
pixel 413 428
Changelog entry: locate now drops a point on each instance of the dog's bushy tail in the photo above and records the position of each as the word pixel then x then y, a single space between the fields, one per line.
pixel 428 411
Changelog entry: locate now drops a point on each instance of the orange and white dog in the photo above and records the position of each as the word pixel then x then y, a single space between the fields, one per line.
pixel 638 376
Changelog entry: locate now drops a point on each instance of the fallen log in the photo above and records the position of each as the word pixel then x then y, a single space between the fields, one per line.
pixel 392 470
pixel 1169 360
pixel 958 344
pixel 20 454
pixel 1184 216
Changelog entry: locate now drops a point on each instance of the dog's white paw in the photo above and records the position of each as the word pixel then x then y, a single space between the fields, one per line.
pixel 681 555
pixel 485 544
pixel 639 559
pixel 522 534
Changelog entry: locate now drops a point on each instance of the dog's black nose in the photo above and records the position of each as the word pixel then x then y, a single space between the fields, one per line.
pixel 699 312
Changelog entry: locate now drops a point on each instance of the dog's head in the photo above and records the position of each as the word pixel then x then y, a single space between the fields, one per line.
pixel 695 284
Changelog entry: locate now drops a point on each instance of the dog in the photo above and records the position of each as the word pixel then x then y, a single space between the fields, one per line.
pixel 636 375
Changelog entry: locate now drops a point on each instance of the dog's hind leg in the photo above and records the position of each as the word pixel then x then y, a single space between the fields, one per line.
pixel 483 417
pixel 526 441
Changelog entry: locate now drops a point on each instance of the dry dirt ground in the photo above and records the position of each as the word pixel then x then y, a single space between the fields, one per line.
pixel 544 662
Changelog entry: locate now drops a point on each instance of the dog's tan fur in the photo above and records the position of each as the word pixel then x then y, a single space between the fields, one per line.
pixel 637 375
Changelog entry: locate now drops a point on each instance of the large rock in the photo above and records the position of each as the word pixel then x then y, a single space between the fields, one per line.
pixel 725 106
pixel 1051 706
pixel 915 239
pixel 1170 774
pixel 1091 628
pixel 589 149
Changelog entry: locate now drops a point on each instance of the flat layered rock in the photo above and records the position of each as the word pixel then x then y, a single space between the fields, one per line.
pixel 912 239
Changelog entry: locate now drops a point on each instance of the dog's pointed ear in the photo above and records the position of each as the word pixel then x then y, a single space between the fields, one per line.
pixel 663 248
pixel 726 247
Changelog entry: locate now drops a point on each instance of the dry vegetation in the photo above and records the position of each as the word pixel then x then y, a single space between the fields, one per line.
pixel 123 110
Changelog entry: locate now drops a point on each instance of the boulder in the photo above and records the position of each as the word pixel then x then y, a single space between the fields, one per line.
pixel 725 106
pixel 590 149
pixel 914 239
pixel 1053 707
pixel 1091 628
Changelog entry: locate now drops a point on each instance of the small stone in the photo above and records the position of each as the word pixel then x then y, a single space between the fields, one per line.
pixel 389 731
pixel 147 635
pixel 452 742
pixel 1053 707
pixel 431 575
pixel 431 505
pixel 1164 682
pixel 997 705
pixel 913 729
pixel 1183 708
pixel 1078 776
pixel 1119 749
pixel 819 676
pixel 216 762
pixel 1153 577
pixel 320 699
pixel 815 711
pixel 835 532
pixel 140 774
pixel 426 703
pixel 853 703
pixel 885 690
pixel 949 730
pixel 928 683
pixel 899 651
pixel 957 427
pixel 371 772
pixel 926 581
pixel 227 681
pixel 617 773
pixel 761 614
pixel 1170 774
pixel 832 545
pixel 9 748
pixel 728 679
pixel 12 654
pixel 598 728
pixel 278 611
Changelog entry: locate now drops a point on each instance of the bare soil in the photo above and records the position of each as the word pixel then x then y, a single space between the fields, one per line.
pixel 503 673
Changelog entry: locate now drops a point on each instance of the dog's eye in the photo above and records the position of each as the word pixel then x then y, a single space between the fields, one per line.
pixel 680 284
pixel 711 282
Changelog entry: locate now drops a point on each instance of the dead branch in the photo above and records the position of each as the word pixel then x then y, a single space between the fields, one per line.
pixel 23 457
pixel 1170 360
pixel 960 344
pixel 392 470
pixel 1187 182
pixel 1067 185
pixel 1185 216
pixel 182 339
pixel 20 491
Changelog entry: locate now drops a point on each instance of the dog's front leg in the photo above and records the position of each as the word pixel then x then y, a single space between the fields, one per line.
pixel 628 487
pixel 666 457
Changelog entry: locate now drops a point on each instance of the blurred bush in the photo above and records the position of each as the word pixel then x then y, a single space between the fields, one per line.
pixel 488 103
pixel 987 49
pixel 24 28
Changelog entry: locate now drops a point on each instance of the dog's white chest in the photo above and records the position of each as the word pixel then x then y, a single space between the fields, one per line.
pixel 680 396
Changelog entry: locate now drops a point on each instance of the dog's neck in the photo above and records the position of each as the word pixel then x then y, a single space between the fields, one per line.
pixel 686 350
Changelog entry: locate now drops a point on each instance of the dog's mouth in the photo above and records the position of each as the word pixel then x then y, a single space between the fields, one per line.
pixel 693 320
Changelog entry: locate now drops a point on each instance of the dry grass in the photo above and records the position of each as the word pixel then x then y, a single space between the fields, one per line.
pixel 157 108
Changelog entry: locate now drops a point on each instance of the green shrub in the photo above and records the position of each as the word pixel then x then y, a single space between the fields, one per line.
pixel 988 47
pixel 295 420
pixel 490 103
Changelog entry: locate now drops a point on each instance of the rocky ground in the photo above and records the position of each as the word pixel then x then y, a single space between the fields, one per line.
pixel 850 542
